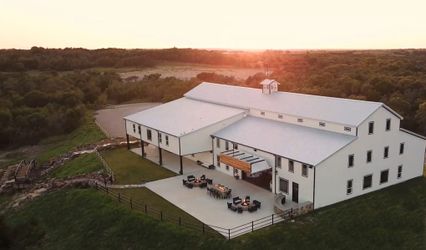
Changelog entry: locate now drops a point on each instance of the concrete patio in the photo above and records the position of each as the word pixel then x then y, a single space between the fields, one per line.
pixel 198 203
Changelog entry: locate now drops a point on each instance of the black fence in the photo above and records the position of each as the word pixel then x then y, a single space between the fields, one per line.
pixel 155 212
pixel 228 233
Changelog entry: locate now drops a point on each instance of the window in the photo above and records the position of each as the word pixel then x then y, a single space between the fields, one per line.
pixel 278 159
pixel 291 166
pixel 322 124
pixel 159 138
pixel 384 175
pixel 134 128
pixel 218 160
pixel 226 145
pixel 280 116
pixel 350 161
pixel 388 124
pixel 139 129
pixel 254 149
pixel 349 187
pixel 305 170
pixel 227 167
pixel 262 113
pixel 167 140
pixel 284 185
pixel 235 146
pixel 369 156
pixel 386 152
pixel 399 171
pixel 370 128
pixel 217 142
pixel 148 134
pixel 401 148
pixel 367 181
pixel 299 120
pixel 347 129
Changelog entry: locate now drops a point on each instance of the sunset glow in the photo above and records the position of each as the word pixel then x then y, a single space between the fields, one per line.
pixel 267 24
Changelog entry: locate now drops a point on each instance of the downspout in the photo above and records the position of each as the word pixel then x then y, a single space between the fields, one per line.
pixel 313 196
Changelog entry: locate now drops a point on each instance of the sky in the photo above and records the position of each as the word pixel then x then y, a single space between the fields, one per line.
pixel 231 24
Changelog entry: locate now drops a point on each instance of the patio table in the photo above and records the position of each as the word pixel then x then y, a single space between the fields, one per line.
pixel 221 190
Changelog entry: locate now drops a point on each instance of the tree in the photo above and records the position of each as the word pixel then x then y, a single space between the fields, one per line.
pixel 421 117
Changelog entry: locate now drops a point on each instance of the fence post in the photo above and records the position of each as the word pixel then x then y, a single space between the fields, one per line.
pixel 252 226
pixel 229 234
pixel 146 209
pixel 180 221
pixel 161 215
pixel 272 219
pixel 203 228
pixel 119 197
pixel 131 203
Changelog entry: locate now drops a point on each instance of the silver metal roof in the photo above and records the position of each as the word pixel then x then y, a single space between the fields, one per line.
pixel 183 116
pixel 337 110
pixel 303 144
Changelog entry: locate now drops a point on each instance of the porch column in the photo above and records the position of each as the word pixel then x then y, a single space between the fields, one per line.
pixel 181 165
pixel 127 139
pixel 143 149
pixel 161 156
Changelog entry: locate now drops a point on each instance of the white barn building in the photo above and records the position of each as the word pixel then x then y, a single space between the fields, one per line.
pixel 308 148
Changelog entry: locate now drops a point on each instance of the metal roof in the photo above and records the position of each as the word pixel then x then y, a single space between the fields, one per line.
pixel 302 144
pixel 183 116
pixel 331 109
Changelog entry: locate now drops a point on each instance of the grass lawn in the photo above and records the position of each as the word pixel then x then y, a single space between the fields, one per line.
pixel 83 164
pixel 129 168
pixel 154 201
pixel 393 218
pixel 87 219
pixel 88 133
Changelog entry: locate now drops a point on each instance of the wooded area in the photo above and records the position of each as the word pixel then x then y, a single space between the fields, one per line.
pixel 46 92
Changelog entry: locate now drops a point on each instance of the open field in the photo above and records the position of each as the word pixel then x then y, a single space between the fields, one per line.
pixel 129 168
pixel 88 133
pixel 187 71
pixel 110 119
pixel 87 219
pixel 84 164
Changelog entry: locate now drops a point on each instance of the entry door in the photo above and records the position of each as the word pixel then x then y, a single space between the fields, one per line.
pixel 295 193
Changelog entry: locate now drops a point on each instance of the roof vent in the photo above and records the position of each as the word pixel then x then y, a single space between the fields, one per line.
pixel 269 86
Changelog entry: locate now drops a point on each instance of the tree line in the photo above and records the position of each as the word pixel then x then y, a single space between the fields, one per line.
pixel 36 103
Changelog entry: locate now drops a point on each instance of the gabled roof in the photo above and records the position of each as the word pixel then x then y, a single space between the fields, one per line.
pixel 268 81
pixel 337 110
pixel 183 116
pixel 299 143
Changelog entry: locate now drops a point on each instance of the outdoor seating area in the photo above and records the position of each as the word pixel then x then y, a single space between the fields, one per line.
pixel 239 205
pixel 191 181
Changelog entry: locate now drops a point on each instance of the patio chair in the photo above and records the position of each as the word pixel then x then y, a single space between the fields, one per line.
pixel 209 181
pixel 252 208
pixel 240 210
pixel 257 203
pixel 229 205
pixel 247 198
pixel 203 185
pixel 233 208
pixel 203 177
pixel 189 185
pixel 184 182
pixel 190 178
pixel 236 200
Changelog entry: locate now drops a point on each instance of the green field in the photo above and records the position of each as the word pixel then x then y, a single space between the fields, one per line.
pixel 84 164
pixel 155 202
pixel 54 146
pixel 129 168
pixel 87 219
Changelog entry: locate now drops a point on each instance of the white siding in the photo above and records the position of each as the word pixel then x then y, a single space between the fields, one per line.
pixel 200 140
pixel 333 174
pixel 307 122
